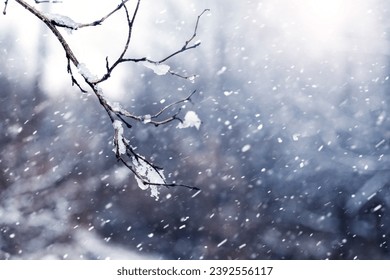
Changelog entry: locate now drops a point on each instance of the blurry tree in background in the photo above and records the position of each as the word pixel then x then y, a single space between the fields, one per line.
pixel 292 155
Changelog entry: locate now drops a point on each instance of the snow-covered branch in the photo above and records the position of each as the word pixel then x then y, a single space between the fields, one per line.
pixel 146 173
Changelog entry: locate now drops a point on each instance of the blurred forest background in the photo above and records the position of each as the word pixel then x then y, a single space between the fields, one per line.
pixel 292 156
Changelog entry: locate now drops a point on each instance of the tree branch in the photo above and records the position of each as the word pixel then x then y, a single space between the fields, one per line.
pixel 146 173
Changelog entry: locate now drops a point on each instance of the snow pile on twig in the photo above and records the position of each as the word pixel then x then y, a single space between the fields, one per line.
pixel 150 175
pixel 120 145
pixel 158 68
pixel 191 119
pixel 86 73
pixel 62 21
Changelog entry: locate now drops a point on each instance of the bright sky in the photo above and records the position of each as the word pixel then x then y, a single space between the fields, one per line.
pixel 313 27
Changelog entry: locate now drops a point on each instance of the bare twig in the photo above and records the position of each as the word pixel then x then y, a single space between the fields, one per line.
pixel 186 47
pixel 150 119
pixel 74 80
pixel 188 98
pixel 5 7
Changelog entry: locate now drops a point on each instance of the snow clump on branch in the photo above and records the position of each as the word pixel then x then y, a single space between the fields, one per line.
pixel 190 119
pixel 62 21
pixel 158 68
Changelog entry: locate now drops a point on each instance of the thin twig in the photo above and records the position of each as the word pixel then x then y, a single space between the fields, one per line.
pixel 185 47
pixel 5 7
pixel 188 98
pixel 100 21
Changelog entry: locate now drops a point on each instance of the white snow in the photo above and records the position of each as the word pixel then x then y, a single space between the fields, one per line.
pixel 147 118
pixel 158 68
pixel 378 207
pixel 190 119
pixel 222 242
pixel 62 20
pixel 245 148
pixel 296 136
pixel 86 73
pixel 222 70
pixel 14 129
pixel 116 106
pixel 148 174
pixel 192 78
pixel 119 130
